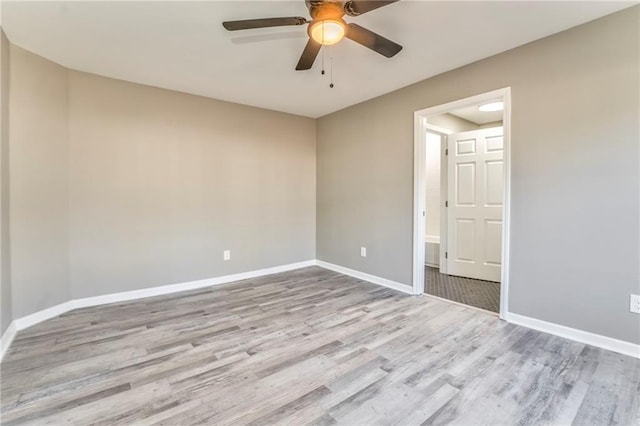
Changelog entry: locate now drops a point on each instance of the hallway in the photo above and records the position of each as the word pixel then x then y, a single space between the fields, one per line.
pixel 477 293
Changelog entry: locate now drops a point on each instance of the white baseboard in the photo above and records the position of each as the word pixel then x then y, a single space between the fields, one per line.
pixel 191 285
pixel 18 324
pixel 433 239
pixel 366 277
pixel 43 315
pixel 53 311
pixel 7 338
pixel 608 343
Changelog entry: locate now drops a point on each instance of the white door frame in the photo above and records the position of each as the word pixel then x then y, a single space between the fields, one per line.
pixel 419 184
pixel 443 133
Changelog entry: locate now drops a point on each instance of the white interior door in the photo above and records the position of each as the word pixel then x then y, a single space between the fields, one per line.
pixel 475 198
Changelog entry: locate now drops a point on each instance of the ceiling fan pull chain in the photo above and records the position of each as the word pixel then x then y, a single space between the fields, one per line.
pixel 331 72
pixel 322 72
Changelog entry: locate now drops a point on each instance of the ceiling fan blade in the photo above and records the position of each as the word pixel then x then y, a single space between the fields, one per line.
pixel 358 7
pixel 373 41
pixel 308 55
pixel 249 24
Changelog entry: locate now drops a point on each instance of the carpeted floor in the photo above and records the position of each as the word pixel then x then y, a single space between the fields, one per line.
pixel 478 293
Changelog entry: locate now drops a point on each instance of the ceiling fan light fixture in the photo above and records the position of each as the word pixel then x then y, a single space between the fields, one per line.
pixel 327 31
pixel 492 106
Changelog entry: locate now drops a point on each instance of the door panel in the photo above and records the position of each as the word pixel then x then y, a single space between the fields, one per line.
pixel 466 147
pixel 494 143
pixel 493 242
pixel 494 185
pixel 475 194
pixel 466 184
pixel 465 237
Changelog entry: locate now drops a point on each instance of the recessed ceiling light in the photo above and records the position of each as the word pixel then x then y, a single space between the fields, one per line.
pixel 492 106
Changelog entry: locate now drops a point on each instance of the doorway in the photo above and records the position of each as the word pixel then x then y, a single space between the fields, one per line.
pixel 461 201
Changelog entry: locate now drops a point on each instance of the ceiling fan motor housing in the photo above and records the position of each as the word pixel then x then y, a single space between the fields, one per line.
pixel 320 10
pixel 325 11
pixel 345 6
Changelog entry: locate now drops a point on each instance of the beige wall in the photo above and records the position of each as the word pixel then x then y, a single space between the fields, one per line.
pixel 489 125
pixel 39 198
pixel 575 174
pixel 457 124
pixel 117 186
pixel 5 276
pixel 162 182
pixel 453 123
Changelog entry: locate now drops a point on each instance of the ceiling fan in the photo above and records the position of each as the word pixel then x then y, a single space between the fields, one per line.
pixel 327 27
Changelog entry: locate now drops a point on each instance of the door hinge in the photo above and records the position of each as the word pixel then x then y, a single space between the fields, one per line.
pixel 446 204
pixel 446 254
pixel 446 151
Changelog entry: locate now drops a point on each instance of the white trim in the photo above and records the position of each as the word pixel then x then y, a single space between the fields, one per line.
pixel 420 127
pixel 465 102
pixel 600 341
pixel 444 217
pixel 436 129
pixel 7 338
pixel 43 315
pixel 191 285
pixel 433 239
pixel 506 207
pixel 53 311
pixel 604 342
pixel 366 277
pixel 419 200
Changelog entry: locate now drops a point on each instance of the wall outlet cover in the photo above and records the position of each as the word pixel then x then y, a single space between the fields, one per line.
pixel 226 255
pixel 634 303
pixel 363 251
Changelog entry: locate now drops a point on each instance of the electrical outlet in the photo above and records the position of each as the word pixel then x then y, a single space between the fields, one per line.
pixel 226 255
pixel 634 303
pixel 363 251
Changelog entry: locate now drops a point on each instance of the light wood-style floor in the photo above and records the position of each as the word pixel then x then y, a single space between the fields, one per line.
pixel 307 347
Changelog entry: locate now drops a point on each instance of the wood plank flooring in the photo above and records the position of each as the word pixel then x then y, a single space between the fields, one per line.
pixel 307 347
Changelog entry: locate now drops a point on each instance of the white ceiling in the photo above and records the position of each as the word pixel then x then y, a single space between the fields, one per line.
pixel 182 46
pixel 476 116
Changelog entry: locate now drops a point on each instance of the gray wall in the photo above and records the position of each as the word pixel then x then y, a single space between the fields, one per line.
pixel 162 182
pixel 575 174
pixel 39 199
pixel 5 276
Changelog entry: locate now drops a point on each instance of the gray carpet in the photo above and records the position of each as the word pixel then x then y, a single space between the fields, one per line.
pixel 478 293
